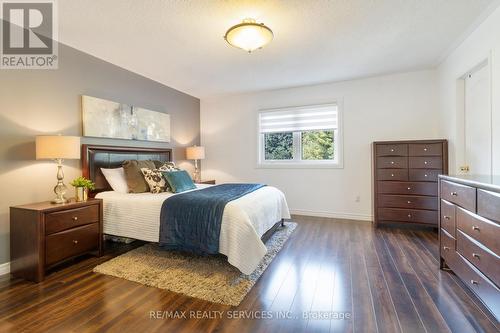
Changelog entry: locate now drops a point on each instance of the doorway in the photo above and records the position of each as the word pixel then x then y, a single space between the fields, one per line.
pixel 478 121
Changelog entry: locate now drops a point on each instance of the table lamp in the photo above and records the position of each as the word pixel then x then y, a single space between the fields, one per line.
pixel 196 153
pixel 58 148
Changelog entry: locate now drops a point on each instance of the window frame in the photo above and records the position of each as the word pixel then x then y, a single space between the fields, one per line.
pixel 297 161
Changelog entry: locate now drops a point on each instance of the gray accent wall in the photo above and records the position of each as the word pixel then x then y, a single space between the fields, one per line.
pixel 34 102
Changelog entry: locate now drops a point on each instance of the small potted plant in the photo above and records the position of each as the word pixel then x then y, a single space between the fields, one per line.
pixel 82 185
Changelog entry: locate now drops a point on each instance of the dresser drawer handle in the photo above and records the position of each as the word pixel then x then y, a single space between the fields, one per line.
pixel 455 194
pixel 75 218
pixel 409 188
pixel 446 248
pixel 392 150
pixel 75 242
pixel 446 217
pixel 392 162
pixel 426 175
pixel 425 149
pixel 409 201
pixel 474 282
pixel 409 216
pixel 392 175
pixel 475 228
pixel 425 162
pixel 475 255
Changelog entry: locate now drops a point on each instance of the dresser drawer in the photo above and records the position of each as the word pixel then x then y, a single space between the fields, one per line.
pixel 484 231
pixel 392 162
pixel 408 201
pixel 67 219
pixel 392 150
pixel 478 283
pixel 447 243
pixel 425 149
pixel 392 174
pixel 71 242
pixel 424 175
pixel 488 205
pixel 448 214
pixel 414 188
pixel 430 162
pixel 462 195
pixel 485 260
pixel 408 215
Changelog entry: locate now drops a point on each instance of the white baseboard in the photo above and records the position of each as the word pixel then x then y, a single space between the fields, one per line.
pixel 5 268
pixel 333 215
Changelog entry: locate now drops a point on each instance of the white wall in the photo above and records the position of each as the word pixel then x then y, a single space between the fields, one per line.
pixel 483 43
pixel 393 107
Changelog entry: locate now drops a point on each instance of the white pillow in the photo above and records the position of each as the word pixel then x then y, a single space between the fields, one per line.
pixel 116 179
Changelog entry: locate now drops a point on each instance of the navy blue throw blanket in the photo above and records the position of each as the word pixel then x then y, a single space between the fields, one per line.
pixel 191 221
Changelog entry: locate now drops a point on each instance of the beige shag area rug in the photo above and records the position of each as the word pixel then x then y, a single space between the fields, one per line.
pixel 210 278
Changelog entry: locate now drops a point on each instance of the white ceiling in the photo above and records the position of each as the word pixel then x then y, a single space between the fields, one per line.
pixel 180 42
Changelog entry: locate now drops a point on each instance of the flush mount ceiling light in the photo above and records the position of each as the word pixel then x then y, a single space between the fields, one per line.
pixel 249 35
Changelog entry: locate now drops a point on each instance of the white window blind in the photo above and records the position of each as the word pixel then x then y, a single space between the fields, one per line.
pixel 322 117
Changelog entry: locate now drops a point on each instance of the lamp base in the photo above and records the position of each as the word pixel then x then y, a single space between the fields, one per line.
pixel 60 189
pixel 197 173
pixel 59 201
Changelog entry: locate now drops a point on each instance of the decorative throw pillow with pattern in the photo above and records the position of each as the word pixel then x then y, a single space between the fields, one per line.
pixel 168 166
pixel 155 180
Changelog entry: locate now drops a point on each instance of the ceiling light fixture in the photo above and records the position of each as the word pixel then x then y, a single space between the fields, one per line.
pixel 249 35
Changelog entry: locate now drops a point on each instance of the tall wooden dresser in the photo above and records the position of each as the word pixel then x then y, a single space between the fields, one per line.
pixel 406 180
pixel 469 234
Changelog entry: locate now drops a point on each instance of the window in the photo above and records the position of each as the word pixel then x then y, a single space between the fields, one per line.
pixel 300 136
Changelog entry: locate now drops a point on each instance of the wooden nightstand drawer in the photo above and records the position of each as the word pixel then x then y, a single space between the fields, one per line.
pixel 71 218
pixel 72 242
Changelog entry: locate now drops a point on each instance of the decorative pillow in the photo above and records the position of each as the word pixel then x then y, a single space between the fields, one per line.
pixel 155 180
pixel 168 166
pixel 116 179
pixel 135 180
pixel 179 181
pixel 158 163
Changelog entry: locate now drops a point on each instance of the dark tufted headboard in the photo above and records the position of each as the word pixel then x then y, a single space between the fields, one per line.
pixel 96 157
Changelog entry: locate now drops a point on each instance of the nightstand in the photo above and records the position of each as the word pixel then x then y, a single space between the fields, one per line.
pixel 43 235
pixel 209 181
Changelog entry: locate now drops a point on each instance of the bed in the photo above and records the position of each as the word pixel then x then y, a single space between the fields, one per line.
pixel 247 222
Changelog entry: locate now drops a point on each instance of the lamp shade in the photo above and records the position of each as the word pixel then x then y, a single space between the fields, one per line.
pixel 195 153
pixel 57 146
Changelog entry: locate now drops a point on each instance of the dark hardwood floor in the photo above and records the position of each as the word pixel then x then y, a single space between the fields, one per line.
pixel 331 276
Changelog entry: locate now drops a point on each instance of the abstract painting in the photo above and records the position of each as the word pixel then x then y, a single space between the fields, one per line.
pixel 108 119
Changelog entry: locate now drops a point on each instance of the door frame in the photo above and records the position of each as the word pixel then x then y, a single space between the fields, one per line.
pixel 460 149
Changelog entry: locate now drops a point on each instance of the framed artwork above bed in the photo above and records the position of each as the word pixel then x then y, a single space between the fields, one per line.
pixel 108 119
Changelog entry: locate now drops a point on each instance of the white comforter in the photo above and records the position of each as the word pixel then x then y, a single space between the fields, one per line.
pixel 244 221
